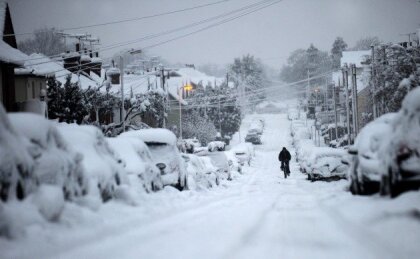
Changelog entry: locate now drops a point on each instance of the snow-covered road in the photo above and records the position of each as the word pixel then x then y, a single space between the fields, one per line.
pixel 260 215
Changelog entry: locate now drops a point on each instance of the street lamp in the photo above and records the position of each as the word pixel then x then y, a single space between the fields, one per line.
pixel 132 52
pixel 188 87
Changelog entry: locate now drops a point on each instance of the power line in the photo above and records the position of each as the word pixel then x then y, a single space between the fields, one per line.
pixel 129 20
pixel 205 28
pixel 163 33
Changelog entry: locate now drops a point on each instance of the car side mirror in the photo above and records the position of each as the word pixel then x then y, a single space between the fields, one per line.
pixel 345 162
pixel 161 166
pixel 352 150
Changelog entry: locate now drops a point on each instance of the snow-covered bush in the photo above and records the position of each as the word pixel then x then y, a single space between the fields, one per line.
pixel 55 163
pixel 16 162
pixel 138 162
pixel 103 168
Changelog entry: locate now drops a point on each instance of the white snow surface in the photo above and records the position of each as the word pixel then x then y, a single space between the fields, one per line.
pixel 153 135
pixel 258 215
pixel 42 65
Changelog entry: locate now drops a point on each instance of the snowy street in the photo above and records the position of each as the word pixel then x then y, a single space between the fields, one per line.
pixel 259 215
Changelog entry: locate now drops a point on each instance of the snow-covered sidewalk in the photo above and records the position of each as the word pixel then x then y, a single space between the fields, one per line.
pixel 260 215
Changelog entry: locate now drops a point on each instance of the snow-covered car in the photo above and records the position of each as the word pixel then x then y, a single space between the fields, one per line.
pixel 366 168
pixel 104 171
pixel 292 114
pixel 138 162
pixel 220 160
pixel 203 174
pixel 233 161
pixel 188 145
pixel 162 144
pixel 244 152
pixel 253 138
pixel 257 127
pixel 401 155
pixel 216 146
pixel 17 179
pixel 326 164
pixel 55 163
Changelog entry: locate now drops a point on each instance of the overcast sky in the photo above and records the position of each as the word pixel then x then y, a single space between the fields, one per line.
pixel 270 34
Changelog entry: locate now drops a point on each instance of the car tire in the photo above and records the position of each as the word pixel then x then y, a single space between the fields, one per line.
pixel 384 186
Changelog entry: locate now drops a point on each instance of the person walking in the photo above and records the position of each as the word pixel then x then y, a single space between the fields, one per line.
pixel 284 158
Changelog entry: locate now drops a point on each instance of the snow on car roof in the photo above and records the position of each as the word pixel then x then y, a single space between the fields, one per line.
pixel 153 136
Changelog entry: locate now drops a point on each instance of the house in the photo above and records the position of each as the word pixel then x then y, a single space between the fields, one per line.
pixel 10 58
pixel 139 83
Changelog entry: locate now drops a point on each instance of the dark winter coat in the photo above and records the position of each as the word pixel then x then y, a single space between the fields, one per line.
pixel 284 155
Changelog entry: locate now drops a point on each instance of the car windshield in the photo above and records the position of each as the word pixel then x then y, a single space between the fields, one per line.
pixel 161 151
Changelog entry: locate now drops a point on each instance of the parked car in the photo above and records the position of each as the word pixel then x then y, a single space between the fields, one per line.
pixel 55 162
pixel 325 164
pixel 366 171
pixel 165 154
pixel 244 152
pixel 17 178
pixel 401 155
pixel 220 160
pixel 257 127
pixel 234 164
pixel 216 146
pixel 105 172
pixel 138 162
pixel 253 138
pixel 203 174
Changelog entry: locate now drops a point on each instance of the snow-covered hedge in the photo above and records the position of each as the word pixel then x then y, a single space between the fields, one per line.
pixel 103 168
pixel 55 162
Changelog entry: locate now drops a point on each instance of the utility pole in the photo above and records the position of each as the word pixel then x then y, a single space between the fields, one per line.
pixel 346 94
pixel 353 99
pixel 372 81
pixel 335 110
pixel 180 111
pixel 122 91
pixel 162 85
pixel 355 110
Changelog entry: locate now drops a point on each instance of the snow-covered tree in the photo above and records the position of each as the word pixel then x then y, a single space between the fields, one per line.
pixel 205 101
pixel 248 75
pixel 66 103
pixel 46 41
pixel 337 49
pixel 395 74
pixel 194 125
pixel 301 62
pixel 366 43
